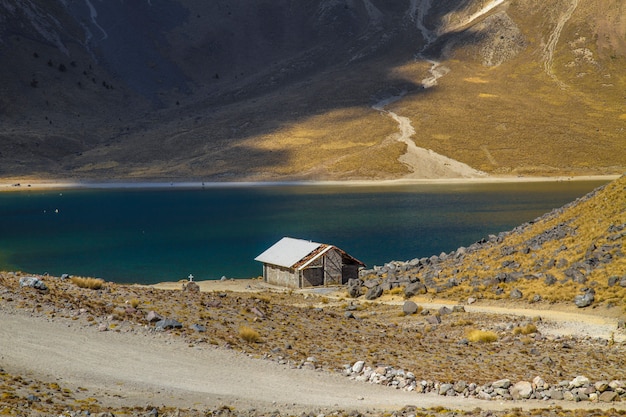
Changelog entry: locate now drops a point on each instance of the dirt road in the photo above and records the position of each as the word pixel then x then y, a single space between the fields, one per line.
pixel 136 368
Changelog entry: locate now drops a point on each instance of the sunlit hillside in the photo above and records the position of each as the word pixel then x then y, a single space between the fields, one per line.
pixel 265 90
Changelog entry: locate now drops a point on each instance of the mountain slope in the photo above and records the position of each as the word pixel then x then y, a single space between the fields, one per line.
pixel 575 250
pixel 283 90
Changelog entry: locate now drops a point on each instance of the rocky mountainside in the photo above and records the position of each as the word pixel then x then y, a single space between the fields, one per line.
pixel 284 90
pixel 576 254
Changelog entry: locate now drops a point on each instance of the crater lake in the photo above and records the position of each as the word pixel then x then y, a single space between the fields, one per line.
pixel 164 234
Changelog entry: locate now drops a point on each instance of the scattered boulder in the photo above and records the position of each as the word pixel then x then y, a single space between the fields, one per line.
pixel 586 299
pixel 521 390
pixel 358 366
pixel 257 312
pixel 374 293
pixel 608 396
pixel 168 324
pixel 409 307
pixel 613 280
pixel 501 383
pixel 33 282
pixel 153 316
pixel 516 294
pixel 444 311
pixel 601 386
pixel 191 287
pixel 354 288
pixel 579 381
pixel 198 328
pixel 415 288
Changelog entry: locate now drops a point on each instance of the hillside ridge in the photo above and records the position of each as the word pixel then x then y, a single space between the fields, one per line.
pixel 183 89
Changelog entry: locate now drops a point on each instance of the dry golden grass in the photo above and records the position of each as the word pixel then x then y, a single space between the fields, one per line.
pixel 91 283
pixel 249 334
pixel 481 336
pixel 525 330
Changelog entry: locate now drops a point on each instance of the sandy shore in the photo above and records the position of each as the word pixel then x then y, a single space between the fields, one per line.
pixel 25 185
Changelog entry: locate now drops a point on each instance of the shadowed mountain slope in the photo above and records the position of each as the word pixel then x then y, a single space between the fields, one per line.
pixel 285 90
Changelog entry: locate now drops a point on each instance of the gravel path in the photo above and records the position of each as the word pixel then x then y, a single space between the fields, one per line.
pixel 137 369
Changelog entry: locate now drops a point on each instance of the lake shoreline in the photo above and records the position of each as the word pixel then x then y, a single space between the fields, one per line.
pixel 28 185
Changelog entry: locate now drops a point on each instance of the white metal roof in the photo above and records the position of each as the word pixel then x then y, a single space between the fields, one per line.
pixel 287 252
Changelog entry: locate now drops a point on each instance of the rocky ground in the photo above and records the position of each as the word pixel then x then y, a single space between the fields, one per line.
pixel 428 350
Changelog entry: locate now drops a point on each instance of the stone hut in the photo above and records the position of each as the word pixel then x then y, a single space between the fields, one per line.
pixel 297 263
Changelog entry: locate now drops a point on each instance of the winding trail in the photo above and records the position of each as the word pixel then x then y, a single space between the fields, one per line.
pixel 553 40
pixel 423 163
pixel 137 369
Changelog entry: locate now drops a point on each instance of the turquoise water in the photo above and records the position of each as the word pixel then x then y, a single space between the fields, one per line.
pixel 153 235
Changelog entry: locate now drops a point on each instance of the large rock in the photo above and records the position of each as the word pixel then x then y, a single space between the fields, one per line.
pixel 584 300
pixel 415 288
pixel 521 390
pixel 33 282
pixel 374 293
pixel 354 291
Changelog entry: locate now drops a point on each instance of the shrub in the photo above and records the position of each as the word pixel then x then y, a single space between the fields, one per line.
pixel 91 283
pixel 134 302
pixel 482 336
pixel 527 329
pixel 249 334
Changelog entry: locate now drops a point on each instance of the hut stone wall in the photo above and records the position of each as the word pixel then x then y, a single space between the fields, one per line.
pixel 278 275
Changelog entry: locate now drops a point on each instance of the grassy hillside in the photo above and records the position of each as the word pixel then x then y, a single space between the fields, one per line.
pixel 565 253
pixel 257 91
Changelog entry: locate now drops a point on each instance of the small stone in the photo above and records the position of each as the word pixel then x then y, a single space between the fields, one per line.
pixel 584 300
pixel 539 383
pixel 168 324
pixel 601 386
pixel 501 383
pixel 191 287
pixel 374 293
pixel 444 388
pixel 579 381
pixel 569 396
pixel 198 328
pixel 521 390
pixel 153 316
pixel 358 366
pixel 608 396
pixel 556 394
pixel 444 311
pixel 460 386
pixel 516 294
pixel 409 307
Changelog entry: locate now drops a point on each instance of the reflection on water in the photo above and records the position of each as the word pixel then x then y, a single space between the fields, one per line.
pixel 155 235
